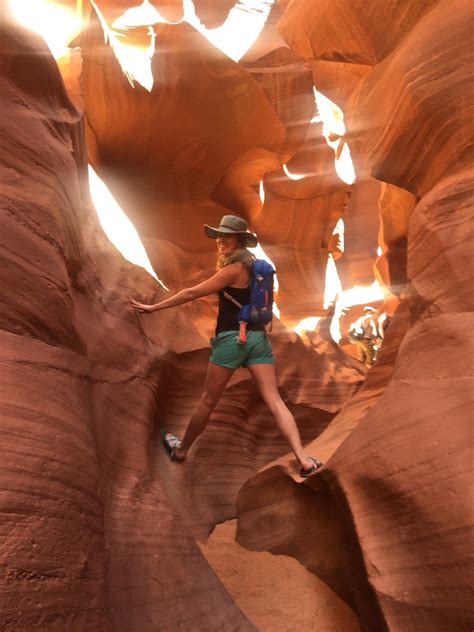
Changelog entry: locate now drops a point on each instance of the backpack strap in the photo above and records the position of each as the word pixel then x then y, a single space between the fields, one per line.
pixel 242 337
pixel 231 298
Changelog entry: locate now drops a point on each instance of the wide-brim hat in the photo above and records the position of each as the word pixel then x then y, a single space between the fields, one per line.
pixel 232 225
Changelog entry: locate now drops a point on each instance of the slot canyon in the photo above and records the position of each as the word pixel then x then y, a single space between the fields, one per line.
pixel 342 132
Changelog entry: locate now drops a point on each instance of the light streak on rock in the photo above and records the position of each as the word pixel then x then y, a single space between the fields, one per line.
pixel 135 61
pixel 261 192
pixel 339 231
pixel 119 229
pixel 307 324
pixel 332 119
pixel 143 15
pixel 293 176
pixel 240 30
pixel 55 23
pixel 344 165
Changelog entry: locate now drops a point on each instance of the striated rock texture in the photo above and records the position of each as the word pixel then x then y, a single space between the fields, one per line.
pixel 351 31
pixel 90 539
pixel 86 530
pixel 393 503
pixel 395 206
pixel 361 220
pixel 215 130
pixel 99 529
pixel 308 521
pixel 202 113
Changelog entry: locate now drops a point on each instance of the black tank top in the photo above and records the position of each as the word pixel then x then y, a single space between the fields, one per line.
pixel 228 311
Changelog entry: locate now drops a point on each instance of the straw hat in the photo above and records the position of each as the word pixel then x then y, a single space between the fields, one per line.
pixel 232 225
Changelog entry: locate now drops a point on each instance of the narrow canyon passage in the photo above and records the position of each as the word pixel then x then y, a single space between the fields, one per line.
pixel 340 132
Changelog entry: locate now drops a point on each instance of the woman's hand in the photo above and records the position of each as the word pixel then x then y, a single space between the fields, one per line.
pixel 141 307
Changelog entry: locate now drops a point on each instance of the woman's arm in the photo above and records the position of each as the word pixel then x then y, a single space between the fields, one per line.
pixel 226 276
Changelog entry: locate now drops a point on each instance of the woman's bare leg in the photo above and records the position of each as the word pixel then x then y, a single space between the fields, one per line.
pixel 216 380
pixel 265 378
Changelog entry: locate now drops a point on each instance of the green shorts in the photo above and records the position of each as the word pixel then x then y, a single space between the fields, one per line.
pixel 226 351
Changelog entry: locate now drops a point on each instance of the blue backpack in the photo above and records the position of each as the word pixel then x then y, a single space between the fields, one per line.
pixel 260 309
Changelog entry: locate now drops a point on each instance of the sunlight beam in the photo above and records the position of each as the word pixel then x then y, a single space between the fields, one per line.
pixel 240 30
pixel 143 15
pixel 55 23
pixel 307 324
pixel 119 229
pixel 332 119
pixel 292 176
pixel 135 61
pixel 261 192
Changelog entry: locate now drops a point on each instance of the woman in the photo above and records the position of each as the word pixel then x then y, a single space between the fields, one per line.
pixel 232 278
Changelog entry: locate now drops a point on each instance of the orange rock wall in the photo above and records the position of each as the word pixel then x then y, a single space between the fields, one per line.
pixel 214 130
pixel 399 481
pixel 82 518
pixel 87 384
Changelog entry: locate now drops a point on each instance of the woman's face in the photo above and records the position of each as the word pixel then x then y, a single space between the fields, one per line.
pixel 226 244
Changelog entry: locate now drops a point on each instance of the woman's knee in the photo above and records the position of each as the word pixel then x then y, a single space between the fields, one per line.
pixel 210 398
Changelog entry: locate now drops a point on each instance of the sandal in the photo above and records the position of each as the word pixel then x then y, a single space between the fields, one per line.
pixel 171 442
pixel 316 465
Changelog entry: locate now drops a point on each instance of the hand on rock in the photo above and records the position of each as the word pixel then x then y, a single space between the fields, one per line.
pixel 141 307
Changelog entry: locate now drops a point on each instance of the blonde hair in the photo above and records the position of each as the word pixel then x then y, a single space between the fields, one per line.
pixel 241 254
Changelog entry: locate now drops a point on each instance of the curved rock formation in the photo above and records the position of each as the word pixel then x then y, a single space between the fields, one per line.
pixel 168 148
pixel 351 31
pixel 315 380
pixel 84 381
pixel 361 219
pixel 425 139
pixel 321 537
pixel 396 206
pixel 201 142
pixel 99 528
pixel 82 520
pixel 394 494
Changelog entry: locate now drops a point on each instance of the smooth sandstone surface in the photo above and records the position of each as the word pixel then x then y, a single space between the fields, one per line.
pixel 416 102
pixel 82 519
pixel 215 130
pixel 397 481
pixel 395 209
pixel 279 593
pixel 353 31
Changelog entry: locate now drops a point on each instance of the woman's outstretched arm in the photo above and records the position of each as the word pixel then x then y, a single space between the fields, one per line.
pixel 226 276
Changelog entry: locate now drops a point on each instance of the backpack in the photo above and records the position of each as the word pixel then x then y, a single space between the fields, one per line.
pixel 259 310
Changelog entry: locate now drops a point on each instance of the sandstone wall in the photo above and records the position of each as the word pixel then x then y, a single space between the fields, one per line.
pixel 99 528
pixel 397 485
pixel 83 520
pixel 90 539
